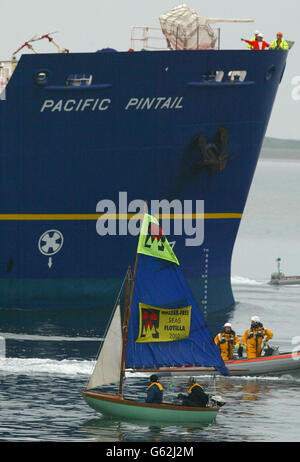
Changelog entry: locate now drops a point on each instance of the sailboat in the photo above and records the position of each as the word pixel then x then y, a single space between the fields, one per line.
pixel 162 327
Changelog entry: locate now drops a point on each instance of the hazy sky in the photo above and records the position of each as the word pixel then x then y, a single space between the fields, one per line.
pixel 88 25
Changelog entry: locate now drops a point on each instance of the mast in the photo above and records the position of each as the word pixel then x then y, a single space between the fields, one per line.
pixel 125 323
pixel 125 329
pixel 127 315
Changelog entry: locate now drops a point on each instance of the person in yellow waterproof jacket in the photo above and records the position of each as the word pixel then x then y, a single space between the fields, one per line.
pixel 226 340
pixel 279 43
pixel 254 337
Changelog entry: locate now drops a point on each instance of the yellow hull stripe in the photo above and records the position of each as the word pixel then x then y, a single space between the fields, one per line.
pixel 112 216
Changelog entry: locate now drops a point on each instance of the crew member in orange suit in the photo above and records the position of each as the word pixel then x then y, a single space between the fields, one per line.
pixel 226 340
pixel 254 337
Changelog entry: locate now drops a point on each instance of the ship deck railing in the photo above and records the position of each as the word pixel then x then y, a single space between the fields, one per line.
pixel 152 38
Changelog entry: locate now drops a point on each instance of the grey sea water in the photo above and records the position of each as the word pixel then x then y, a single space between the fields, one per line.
pixel 45 369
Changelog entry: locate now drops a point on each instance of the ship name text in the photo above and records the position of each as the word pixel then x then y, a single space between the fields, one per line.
pixel 98 104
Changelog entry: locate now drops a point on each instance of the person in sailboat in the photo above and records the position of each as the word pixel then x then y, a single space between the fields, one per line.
pixel 226 340
pixel 255 338
pixel 196 395
pixel 154 390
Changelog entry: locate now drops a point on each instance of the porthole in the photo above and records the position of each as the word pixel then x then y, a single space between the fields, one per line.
pixel 41 78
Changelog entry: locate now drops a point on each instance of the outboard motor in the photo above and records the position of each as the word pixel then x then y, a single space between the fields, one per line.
pixel 217 400
pixel 271 350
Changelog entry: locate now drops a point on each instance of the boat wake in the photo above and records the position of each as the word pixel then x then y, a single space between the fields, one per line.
pixel 239 280
pixel 38 366
pixel 264 378
pixel 48 338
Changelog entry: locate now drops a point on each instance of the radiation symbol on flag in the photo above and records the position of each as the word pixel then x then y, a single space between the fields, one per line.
pixel 150 323
pixel 153 242
pixel 155 233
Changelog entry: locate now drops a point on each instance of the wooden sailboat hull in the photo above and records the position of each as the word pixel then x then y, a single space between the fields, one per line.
pixel 117 407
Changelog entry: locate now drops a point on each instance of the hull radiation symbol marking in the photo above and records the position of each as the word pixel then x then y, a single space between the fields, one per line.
pixel 50 243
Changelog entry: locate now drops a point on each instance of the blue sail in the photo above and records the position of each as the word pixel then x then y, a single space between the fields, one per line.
pixel 166 327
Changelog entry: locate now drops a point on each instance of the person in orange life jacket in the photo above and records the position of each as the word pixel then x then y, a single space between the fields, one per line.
pixel 196 396
pixel 259 43
pixel 154 391
pixel 254 38
pixel 225 340
pixel 254 337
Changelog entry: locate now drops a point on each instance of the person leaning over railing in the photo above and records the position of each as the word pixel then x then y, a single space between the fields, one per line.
pixel 253 38
pixel 258 43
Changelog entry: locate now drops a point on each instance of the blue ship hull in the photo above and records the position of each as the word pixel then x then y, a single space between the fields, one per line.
pixel 137 128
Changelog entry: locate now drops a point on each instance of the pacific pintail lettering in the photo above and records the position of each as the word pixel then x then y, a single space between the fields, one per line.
pixel 158 102
pixel 77 105
pixel 96 104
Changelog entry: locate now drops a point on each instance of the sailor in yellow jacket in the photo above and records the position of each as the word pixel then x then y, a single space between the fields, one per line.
pixel 254 337
pixel 279 43
pixel 226 340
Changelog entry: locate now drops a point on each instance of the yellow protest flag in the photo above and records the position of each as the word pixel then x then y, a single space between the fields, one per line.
pixel 153 242
pixel 163 324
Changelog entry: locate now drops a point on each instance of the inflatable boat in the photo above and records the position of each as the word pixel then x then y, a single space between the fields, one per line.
pixel 272 363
